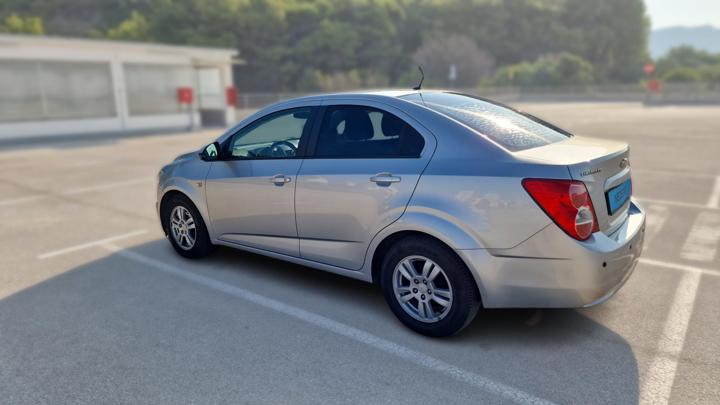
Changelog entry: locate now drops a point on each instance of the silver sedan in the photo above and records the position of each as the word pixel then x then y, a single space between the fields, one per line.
pixel 447 201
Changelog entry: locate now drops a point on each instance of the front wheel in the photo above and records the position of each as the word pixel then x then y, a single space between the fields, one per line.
pixel 185 228
pixel 428 287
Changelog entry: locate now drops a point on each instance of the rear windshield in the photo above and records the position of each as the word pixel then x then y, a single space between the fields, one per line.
pixel 511 129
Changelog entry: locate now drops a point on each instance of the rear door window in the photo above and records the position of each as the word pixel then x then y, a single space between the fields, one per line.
pixel 366 132
pixel 508 128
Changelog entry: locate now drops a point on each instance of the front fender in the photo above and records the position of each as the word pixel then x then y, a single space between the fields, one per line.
pixel 189 182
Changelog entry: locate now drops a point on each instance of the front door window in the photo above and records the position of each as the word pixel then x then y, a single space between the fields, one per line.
pixel 276 136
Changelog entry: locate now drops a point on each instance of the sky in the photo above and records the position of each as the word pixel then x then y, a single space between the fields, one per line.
pixel 668 13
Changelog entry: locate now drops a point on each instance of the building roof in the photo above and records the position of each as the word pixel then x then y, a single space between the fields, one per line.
pixel 105 45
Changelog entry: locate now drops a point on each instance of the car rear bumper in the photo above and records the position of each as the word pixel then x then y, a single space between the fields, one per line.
pixel 552 270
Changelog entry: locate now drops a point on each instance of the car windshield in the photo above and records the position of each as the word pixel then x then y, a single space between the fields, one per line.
pixel 511 129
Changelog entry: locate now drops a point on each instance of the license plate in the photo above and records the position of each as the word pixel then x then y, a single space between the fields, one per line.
pixel 617 196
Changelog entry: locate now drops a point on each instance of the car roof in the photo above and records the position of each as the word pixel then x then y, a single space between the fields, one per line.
pixel 433 121
pixel 365 94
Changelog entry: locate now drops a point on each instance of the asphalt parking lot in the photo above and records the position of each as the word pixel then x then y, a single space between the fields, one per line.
pixel 95 307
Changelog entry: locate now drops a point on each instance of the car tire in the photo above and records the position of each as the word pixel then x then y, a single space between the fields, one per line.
pixel 423 312
pixel 185 228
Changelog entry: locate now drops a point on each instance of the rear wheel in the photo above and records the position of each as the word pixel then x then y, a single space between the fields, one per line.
pixel 185 228
pixel 428 287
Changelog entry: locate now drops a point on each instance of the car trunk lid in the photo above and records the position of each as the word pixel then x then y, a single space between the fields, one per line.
pixel 603 166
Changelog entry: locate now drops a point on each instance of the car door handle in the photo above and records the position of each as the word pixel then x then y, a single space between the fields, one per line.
pixel 279 179
pixel 385 178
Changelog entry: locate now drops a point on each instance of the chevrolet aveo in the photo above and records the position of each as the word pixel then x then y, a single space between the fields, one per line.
pixel 449 202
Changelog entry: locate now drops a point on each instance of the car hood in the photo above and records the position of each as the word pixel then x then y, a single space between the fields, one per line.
pixel 185 156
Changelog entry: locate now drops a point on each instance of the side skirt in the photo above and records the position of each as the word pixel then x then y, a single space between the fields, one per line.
pixel 358 275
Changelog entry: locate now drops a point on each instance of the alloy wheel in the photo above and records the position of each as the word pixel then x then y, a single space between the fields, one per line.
pixel 183 227
pixel 422 289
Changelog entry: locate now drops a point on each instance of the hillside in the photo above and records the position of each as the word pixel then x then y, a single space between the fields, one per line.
pixel 704 37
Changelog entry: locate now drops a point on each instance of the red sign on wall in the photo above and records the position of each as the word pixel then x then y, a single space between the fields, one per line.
pixel 649 69
pixel 184 95
pixel 231 96
pixel 654 86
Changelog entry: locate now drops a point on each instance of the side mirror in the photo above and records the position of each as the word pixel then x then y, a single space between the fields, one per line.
pixel 211 152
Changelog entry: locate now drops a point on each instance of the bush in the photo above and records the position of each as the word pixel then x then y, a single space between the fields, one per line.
pixel 711 74
pixel 549 70
pixel 683 75
pixel 685 56
pixel 135 28
pixel 22 25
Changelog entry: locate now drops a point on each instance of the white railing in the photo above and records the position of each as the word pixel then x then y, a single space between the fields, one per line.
pixel 672 93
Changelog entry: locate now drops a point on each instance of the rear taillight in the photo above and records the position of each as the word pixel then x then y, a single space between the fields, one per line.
pixel 567 203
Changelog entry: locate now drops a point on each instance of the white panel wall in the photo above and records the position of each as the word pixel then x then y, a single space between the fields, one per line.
pixel 172 117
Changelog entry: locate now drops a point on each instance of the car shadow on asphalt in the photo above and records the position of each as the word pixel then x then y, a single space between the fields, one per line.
pixel 559 355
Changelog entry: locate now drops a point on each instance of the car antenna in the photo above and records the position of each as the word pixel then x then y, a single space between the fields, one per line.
pixel 422 78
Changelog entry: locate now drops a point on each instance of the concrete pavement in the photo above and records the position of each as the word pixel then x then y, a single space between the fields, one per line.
pixel 95 307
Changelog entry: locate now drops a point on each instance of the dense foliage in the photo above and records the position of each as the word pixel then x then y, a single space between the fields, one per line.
pixel 15 24
pixel 685 64
pixel 548 70
pixel 305 44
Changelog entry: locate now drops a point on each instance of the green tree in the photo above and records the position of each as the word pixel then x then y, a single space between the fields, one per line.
pixel 76 17
pixel 711 75
pixel 686 56
pixel 287 43
pixel 549 70
pixel 22 25
pixel 134 28
pixel 610 34
pixel 438 56
pixel 682 75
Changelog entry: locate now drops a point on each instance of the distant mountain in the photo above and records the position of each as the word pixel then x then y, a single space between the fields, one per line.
pixel 704 37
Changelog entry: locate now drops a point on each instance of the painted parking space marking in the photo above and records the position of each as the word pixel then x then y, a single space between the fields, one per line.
pixel 75 191
pixel 680 267
pixel 677 203
pixel 675 173
pixel 90 244
pixel 21 200
pixel 656 217
pixel 476 380
pixel 702 241
pixel 659 379
pixel 714 199
pixel 100 187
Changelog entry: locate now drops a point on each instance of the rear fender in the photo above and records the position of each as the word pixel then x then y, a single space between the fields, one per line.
pixel 450 233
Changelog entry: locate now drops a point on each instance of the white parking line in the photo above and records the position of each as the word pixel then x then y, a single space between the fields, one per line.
pixel 90 244
pixel 695 175
pixel 505 391
pixel 714 199
pixel 21 200
pixel 654 221
pixel 702 241
pixel 75 191
pixel 676 203
pixel 659 379
pixel 681 267
pixel 107 186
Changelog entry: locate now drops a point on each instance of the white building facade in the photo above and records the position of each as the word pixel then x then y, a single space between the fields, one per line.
pixel 61 86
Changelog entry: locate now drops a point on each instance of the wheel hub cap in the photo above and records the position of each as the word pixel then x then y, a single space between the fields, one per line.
pixel 182 226
pixel 422 289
